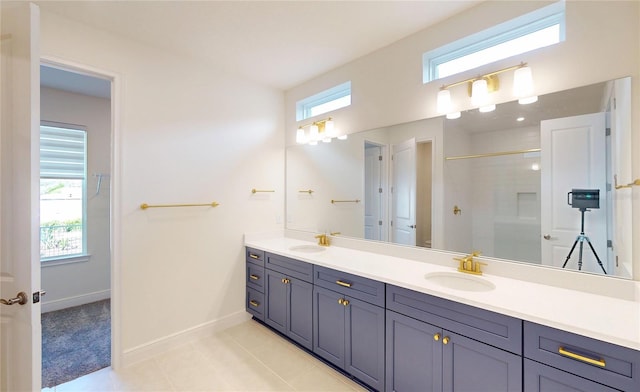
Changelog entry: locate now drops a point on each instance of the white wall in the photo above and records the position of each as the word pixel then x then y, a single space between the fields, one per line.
pixel 601 44
pixel 186 133
pixel 83 282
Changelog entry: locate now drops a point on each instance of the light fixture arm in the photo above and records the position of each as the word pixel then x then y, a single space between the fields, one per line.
pixel 484 76
pixel 319 123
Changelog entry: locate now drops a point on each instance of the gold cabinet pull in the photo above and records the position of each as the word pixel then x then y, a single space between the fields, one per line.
pixel 254 256
pixel 445 340
pixel 345 302
pixel 582 358
pixel 436 337
pixel 343 284
pixel 285 280
pixel 341 301
pixel 254 277
pixel 254 303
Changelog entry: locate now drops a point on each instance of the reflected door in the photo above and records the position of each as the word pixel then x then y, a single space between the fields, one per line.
pixel 373 192
pixel 403 192
pixel 573 157
pixel 20 341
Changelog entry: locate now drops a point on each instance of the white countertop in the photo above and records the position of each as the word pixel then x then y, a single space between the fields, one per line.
pixel 600 317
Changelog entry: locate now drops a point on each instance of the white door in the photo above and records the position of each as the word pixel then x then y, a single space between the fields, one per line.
pixel 373 192
pixel 573 157
pixel 20 341
pixel 403 199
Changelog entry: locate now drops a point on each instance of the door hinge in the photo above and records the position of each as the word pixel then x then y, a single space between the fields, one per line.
pixel 391 223
pixel 379 190
pixel 607 132
pixel 609 244
pixel 379 157
pixel 379 223
pixel 614 104
pixel 608 187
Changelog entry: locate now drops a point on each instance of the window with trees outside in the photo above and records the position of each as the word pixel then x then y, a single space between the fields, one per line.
pixel 63 155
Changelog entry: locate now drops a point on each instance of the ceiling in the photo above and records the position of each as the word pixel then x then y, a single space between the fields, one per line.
pixel 275 43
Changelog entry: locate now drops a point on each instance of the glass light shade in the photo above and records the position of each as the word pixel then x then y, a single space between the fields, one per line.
pixel 522 82
pixel 343 137
pixel 326 140
pixel 528 100
pixel 444 101
pixel 300 137
pixel 479 92
pixel 487 108
pixel 313 133
pixel 329 129
pixel 453 115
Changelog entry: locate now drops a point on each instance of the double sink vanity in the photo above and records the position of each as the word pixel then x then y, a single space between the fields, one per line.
pixel 419 324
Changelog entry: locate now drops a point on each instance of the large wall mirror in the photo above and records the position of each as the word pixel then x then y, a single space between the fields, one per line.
pixel 526 183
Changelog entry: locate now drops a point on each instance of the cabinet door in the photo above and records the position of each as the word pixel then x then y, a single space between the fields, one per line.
pixel 328 326
pixel 364 343
pixel 275 312
pixel 300 312
pixel 469 365
pixel 413 356
pixel 543 378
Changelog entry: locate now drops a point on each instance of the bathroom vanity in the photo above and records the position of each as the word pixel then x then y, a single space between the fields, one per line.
pixel 397 324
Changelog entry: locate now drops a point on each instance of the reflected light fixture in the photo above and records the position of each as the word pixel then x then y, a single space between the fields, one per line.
pixel 322 130
pixel 480 87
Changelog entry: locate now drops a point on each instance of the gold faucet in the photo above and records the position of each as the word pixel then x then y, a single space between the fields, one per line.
pixel 323 240
pixel 470 266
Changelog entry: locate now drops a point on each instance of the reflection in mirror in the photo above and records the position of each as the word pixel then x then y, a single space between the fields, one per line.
pixel 496 182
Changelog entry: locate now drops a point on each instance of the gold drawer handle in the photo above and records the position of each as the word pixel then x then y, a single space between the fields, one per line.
pixel 445 340
pixel 254 256
pixel 254 277
pixel 436 337
pixel 341 301
pixel 343 284
pixel 597 362
pixel 345 302
pixel 254 303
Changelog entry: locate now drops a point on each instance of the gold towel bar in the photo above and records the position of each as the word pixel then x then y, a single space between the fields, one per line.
pixel 629 185
pixel 254 190
pixel 345 201
pixel 144 206
pixel 493 154
pixel 309 191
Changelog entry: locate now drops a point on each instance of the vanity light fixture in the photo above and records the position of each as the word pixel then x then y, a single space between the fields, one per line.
pixel 322 130
pixel 520 119
pixel 480 87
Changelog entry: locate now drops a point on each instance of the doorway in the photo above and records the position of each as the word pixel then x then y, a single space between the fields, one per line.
pixel 75 222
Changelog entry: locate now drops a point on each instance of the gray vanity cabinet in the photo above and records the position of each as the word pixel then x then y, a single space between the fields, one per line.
pixel 289 298
pixel 439 345
pixel 349 331
pixel 254 300
pixel 562 361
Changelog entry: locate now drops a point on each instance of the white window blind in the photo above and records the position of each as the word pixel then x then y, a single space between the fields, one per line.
pixel 62 152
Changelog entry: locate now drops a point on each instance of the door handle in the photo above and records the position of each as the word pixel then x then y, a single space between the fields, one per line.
pixel 546 237
pixel 413 226
pixel 20 299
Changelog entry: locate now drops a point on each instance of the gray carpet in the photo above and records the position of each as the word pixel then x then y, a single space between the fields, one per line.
pixel 75 341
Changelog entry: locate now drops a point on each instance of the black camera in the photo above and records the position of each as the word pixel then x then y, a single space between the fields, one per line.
pixel 584 198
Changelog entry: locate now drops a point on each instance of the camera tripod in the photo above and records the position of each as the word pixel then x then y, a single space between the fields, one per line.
pixel 582 238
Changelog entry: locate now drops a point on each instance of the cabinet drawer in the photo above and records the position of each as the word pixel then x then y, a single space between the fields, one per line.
pixel 255 277
pixel 255 256
pixel 606 363
pixel 542 378
pixel 255 303
pixel 355 286
pixel 290 267
pixel 488 327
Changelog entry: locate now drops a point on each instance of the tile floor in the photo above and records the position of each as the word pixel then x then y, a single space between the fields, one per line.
pixel 247 357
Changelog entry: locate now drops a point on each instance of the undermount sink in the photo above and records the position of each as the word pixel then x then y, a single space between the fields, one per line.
pixel 459 281
pixel 308 248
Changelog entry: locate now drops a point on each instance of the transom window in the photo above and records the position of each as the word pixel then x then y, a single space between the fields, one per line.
pixel 537 29
pixel 326 101
pixel 63 155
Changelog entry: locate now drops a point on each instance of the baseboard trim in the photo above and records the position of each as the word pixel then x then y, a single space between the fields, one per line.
pixel 78 300
pixel 158 346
